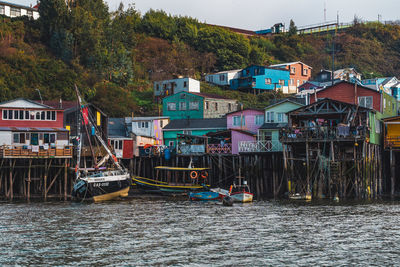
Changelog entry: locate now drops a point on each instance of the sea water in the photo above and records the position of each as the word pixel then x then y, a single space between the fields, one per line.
pixel 182 233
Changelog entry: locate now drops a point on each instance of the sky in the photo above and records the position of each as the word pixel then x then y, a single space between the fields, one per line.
pixel 262 14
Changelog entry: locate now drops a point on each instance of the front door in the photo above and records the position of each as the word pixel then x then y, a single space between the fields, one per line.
pixel 34 139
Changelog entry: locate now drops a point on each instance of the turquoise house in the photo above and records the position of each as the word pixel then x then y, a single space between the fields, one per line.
pixel 191 127
pixel 260 78
pixel 275 119
pixel 185 105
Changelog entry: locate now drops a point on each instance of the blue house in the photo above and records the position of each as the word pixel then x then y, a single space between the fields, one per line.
pixel 259 78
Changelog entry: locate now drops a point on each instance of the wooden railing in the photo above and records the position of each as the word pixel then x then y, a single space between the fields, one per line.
pixel 299 134
pixel 259 146
pixel 392 141
pixel 219 149
pixel 40 152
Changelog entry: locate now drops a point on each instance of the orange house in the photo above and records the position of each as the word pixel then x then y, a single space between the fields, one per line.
pixel 299 74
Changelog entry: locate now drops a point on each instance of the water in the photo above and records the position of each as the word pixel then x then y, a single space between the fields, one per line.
pixel 160 232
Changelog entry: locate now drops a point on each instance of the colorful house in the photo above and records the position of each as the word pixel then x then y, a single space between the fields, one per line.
pixel 392 133
pixel 390 85
pixel 119 139
pixel 15 10
pixel 223 78
pixel 300 73
pixel 243 126
pixel 185 105
pixel 346 74
pixel 268 134
pixel 174 86
pixel 359 95
pixel 31 125
pixel 191 127
pixel 259 79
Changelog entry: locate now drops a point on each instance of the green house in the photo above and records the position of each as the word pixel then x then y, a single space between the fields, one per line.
pixel 275 119
pixel 186 105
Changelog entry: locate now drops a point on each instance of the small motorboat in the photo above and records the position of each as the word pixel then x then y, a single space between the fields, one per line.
pixel 204 196
pixel 240 192
pixel 222 192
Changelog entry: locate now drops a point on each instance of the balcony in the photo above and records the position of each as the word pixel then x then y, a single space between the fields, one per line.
pixel 392 142
pixel 323 133
pixel 35 152
pixel 259 146
pixel 219 149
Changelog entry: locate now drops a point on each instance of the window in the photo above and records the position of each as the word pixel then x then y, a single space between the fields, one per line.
pixel 291 81
pixel 161 123
pixel 43 115
pixel 281 82
pixel 384 103
pixel 143 124
pixel 171 144
pixel 16 138
pixel 15 12
pixel 10 114
pixel 171 106
pixel 206 105
pixel 229 107
pixel 16 114
pixel 29 13
pixel 184 84
pixel 365 101
pixel 210 78
pixel 216 106
pixel 221 77
pixel 157 87
pixel 236 120
pixel 26 115
pixel 5 113
pixel 268 81
pixel 305 71
pixel 187 132
pixel 259 119
pixel 270 116
pixel 34 139
pixel 324 76
pixel 48 115
pixel 292 70
pixel 37 115
pixel 2 10
pixel 53 115
pixel 194 105
pixel 182 105
pixel 298 83
pixel 266 135
pixel 21 114
pixel 282 117
pixel 377 126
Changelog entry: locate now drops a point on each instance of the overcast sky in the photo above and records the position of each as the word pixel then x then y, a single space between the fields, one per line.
pixel 261 14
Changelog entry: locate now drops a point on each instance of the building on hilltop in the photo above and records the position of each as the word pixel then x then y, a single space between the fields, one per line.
pixel 186 105
pixel 300 73
pixel 222 78
pixel 174 86
pixel 15 10
pixel 260 79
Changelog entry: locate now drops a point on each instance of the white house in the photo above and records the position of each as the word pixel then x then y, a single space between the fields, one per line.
pixel 15 10
pixel 170 87
pixel 223 78
pixel 150 127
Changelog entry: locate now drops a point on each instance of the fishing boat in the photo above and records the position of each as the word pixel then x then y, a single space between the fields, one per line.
pixel 178 181
pixel 240 192
pixel 204 196
pixel 98 183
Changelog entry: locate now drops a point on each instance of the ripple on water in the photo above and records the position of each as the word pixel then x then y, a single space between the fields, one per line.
pixel 144 232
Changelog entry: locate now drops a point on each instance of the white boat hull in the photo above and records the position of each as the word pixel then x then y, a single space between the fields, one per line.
pixel 242 197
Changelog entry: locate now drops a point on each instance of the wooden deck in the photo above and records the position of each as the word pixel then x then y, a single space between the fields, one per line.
pixel 19 152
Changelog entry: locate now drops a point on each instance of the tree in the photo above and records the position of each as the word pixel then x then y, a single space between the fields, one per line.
pixel 292 28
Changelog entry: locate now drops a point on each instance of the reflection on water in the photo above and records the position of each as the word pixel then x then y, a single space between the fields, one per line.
pixel 148 232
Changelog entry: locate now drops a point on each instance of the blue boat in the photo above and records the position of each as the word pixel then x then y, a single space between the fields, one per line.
pixel 206 195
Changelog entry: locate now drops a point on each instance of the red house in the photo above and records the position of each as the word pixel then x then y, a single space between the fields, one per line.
pixel 31 125
pixel 358 95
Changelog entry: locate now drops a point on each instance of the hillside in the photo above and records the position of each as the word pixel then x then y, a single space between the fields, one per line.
pixel 114 57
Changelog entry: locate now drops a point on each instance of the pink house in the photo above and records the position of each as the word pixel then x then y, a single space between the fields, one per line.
pixel 243 125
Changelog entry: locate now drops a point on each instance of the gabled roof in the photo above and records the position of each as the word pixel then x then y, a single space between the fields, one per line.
pixel 290 63
pixel 23 103
pixel 217 123
pixel 284 101
pixel 226 71
pixel 387 80
pixel 18 6
pixel 325 100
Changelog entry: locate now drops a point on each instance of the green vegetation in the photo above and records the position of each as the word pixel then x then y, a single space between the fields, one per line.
pixel 114 57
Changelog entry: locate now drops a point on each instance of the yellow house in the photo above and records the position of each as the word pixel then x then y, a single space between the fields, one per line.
pixel 392 132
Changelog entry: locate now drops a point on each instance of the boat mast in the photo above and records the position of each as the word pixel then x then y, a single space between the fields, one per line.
pixel 79 139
